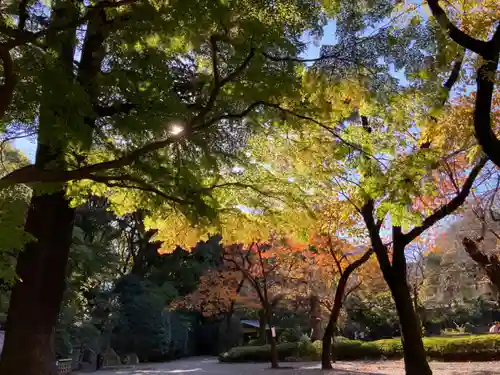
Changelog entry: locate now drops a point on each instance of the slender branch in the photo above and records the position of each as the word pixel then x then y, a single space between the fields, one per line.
pixel 112 4
pixel 23 14
pixel 119 181
pixel 458 36
pixel 454 74
pixel 215 63
pixel 360 261
pixel 320 124
pixel 219 82
pixel 114 109
pixel 447 208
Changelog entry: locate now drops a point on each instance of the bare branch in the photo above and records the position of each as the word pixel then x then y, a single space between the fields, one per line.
pixel 449 207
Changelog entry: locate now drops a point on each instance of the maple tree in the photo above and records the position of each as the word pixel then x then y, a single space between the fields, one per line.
pixel 257 275
pixel 346 262
pixel 338 260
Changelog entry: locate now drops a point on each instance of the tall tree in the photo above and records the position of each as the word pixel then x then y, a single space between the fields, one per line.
pixel 386 159
pixel 121 96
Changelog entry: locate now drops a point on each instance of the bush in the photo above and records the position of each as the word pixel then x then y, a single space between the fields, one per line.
pixel 256 342
pixel 290 335
pixel 470 348
pixel 259 353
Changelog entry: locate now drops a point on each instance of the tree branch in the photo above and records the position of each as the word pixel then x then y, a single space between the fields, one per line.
pixel 454 74
pixel 219 82
pixel 118 181
pixel 373 230
pixel 485 81
pixel 114 109
pixel 458 36
pixel 447 208
pixel 23 14
pixel 7 88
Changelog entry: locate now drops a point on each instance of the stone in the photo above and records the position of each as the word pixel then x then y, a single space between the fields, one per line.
pixel 110 358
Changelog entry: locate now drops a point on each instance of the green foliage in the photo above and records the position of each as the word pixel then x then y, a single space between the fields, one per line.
pixel 13 206
pixel 290 335
pixel 140 328
pixel 206 72
pixel 255 342
pixel 230 334
pixel 471 348
pixel 258 353
pixel 374 315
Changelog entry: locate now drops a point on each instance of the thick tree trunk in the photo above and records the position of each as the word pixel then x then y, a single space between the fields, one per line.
pixel 36 298
pixel 411 336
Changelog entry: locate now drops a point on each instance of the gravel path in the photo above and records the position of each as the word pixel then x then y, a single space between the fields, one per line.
pixel 210 366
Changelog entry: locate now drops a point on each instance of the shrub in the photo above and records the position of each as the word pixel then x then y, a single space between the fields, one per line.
pixel 256 342
pixel 470 348
pixel 290 335
pixel 258 353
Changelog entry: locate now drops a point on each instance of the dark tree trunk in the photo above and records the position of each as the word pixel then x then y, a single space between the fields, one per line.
pixel 490 264
pixel 315 318
pixel 331 328
pixel 411 336
pixel 417 308
pixel 262 326
pixel 36 298
pixel 272 340
pixel 328 351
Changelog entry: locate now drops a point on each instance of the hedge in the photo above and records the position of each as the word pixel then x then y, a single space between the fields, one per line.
pixel 469 348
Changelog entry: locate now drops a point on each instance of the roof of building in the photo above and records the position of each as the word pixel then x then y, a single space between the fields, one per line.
pixel 251 323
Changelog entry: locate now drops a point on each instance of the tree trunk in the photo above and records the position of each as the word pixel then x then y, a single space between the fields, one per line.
pixel 315 318
pixel 416 306
pixel 272 341
pixel 411 337
pixel 36 298
pixel 262 326
pixel 490 264
pixel 331 328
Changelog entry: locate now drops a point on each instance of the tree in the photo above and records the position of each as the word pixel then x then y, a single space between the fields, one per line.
pixel 339 258
pixel 255 275
pixel 117 132
pixel 257 265
pixel 475 233
pixel 345 268
pixel 13 204
pixel 385 160
pixel 477 23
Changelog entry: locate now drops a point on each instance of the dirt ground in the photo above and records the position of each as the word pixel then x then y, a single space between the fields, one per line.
pixel 210 366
